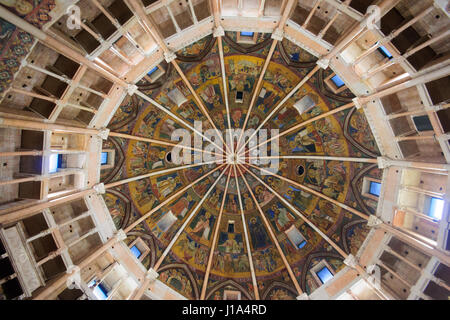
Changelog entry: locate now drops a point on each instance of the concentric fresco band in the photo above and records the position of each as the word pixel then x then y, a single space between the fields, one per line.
pixel 323 137
pixel 224 150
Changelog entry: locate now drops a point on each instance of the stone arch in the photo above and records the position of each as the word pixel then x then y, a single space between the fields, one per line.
pixel 294 64
pixel 148 239
pixel 187 272
pixel 209 45
pixel 355 190
pixel 229 283
pixel 119 160
pixel 127 214
pixel 134 103
pixel 276 284
pixel 344 234
pixel 355 143
pixel 307 265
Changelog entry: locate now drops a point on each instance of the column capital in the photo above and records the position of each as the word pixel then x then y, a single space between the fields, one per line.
pixel 103 133
pixel 436 108
pixel 443 137
pixel 121 235
pixel 218 32
pixel 363 22
pixel 371 18
pixel 351 261
pixel 132 88
pixel 358 102
pixel 389 38
pixel 151 275
pixel 303 296
pixel 416 290
pixel 373 280
pixel 323 63
pixel 74 280
pixel 384 162
pixel 170 56
pixel 100 188
pixel 278 34
pixel 398 59
pixel 374 221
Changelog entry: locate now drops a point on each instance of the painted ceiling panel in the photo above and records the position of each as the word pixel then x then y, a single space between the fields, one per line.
pixel 344 134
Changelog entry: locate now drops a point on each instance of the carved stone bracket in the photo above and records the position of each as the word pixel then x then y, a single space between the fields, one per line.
pixel 74 280
pixel 303 296
pixel 351 261
pixel 121 235
pixel 104 133
pixel 383 163
pixel 132 88
pixel 170 56
pixel 219 32
pixel 278 34
pixel 374 221
pixel 358 103
pixel 100 188
pixel 323 63
pixel 152 275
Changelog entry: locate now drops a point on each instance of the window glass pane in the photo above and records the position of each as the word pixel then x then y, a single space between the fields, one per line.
pixel 296 238
pixel 104 158
pixel 385 52
pixel 302 244
pixel 423 123
pixel 99 291
pixel 54 163
pixel 338 81
pixel 247 34
pixel 436 208
pixel 375 188
pixel 447 246
pixel 324 274
pixel 136 252
pixel 152 71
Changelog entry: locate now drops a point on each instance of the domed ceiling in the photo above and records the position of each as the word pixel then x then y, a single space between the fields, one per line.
pixel 345 134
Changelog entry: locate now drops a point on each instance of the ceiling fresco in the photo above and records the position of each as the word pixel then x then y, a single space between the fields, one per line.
pixel 15 43
pixel 345 134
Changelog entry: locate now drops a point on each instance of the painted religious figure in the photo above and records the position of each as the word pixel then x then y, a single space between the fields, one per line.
pixel 181 207
pixel 258 234
pixel 202 224
pixel 167 184
pixel 280 217
pixel 230 243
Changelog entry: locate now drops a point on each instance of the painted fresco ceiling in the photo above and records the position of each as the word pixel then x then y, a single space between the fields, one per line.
pixel 345 134
pixel 15 43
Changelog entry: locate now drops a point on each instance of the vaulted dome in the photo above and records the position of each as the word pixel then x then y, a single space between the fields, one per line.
pixel 345 134
pixel 209 150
